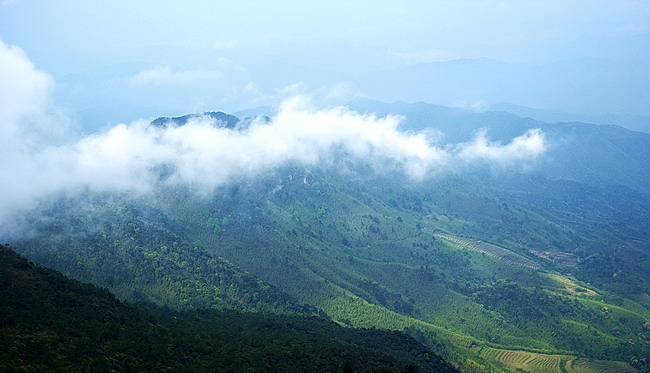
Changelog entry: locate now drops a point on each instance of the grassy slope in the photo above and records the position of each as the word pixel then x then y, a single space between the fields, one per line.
pixel 136 253
pixel 374 254
pixel 321 250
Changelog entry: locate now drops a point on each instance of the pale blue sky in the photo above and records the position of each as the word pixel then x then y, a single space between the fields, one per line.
pixel 178 56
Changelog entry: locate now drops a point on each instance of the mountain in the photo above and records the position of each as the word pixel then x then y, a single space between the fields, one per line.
pixel 495 269
pixel 227 121
pixel 52 323
pixel 640 123
pixel 574 86
pixel 598 155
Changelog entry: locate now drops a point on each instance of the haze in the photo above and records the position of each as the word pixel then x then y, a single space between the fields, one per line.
pixel 117 61
pixel 202 153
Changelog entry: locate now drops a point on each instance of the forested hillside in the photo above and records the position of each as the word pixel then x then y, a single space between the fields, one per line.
pixel 325 186
pixel 143 257
pixel 51 323
pixel 493 268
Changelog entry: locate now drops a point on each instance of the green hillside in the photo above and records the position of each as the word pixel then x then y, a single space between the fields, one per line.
pixel 405 264
pixel 137 253
pixel 51 323
pixel 494 270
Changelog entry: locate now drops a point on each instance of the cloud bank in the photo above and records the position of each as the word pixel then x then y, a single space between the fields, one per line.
pixel 24 92
pixel 129 157
pixel 527 146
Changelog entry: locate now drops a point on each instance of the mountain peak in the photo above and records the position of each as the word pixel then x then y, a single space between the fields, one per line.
pixel 222 119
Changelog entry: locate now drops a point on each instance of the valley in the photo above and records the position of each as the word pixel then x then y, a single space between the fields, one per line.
pixel 303 186
pixel 452 261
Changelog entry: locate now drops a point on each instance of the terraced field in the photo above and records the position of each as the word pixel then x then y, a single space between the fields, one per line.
pixel 526 361
pixel 589 366
pixel 545 363
pixel 490 249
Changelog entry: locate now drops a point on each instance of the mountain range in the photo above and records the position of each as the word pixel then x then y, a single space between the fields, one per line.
pixel 539 267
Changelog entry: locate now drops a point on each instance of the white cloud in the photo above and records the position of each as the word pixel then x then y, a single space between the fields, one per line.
pixel 163 75
pixel 24 100
pixel 207 156
pixel 125 157
pixel 24 95
pixel 527 146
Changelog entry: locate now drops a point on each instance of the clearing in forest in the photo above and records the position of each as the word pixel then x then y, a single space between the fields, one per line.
pixel 490 250
pixel 548 363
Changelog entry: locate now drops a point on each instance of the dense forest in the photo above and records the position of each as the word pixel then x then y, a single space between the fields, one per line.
pixel 51 323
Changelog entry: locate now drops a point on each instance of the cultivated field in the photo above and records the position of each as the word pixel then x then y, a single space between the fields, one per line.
pixel 491 250
pixel 545 363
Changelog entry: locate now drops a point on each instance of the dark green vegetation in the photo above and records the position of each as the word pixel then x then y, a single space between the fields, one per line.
pixel 225 120
pixel 52 323
pixel 495 269
pixel 138 255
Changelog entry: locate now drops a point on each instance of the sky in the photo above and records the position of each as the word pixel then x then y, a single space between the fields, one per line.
pixel 116 61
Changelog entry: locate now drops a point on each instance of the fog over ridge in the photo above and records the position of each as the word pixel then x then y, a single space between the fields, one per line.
pixel 128 157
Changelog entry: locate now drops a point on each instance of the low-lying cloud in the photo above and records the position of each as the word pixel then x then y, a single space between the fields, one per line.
pixel 129 157
pixel 24 92
pixel 527 146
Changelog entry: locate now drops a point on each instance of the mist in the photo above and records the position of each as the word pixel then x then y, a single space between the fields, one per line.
pixel 128 157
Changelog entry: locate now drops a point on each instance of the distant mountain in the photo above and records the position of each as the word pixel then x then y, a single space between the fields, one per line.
pixel 225 120
pixel 575 86
pixel 51 323
pixel 639 123
pixel 587 153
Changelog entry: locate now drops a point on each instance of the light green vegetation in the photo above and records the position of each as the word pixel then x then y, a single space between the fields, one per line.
pixel 491 250
pixel 547 363
pixel 449 263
